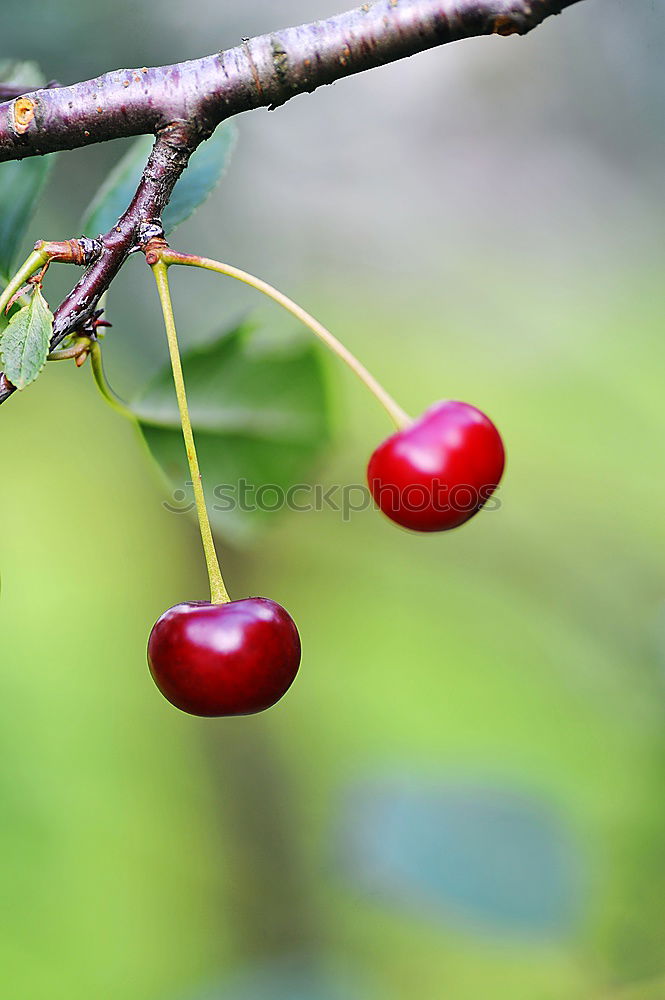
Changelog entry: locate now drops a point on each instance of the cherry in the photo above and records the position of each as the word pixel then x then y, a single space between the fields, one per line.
pixel 224 659
pixel 438 471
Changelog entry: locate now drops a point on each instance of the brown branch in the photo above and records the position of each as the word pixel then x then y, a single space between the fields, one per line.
pixel 140 223
pixel 262 72
pixel 183 104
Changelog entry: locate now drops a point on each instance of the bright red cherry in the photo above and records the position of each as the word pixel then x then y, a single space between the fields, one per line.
pixel 437 472
pixel 224 659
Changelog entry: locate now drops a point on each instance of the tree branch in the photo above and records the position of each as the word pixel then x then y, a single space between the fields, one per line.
pixel 262 72
pixel 184 103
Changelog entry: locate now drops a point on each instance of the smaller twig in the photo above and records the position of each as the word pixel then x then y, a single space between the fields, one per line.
pixel 80 347
pixel 35 261
pixel 80 251
pixel 19 295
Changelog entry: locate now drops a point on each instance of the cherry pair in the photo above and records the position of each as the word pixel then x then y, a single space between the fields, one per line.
pixel 241 657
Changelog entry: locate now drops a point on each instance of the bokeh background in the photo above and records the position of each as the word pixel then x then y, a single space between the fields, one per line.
pixel 462 795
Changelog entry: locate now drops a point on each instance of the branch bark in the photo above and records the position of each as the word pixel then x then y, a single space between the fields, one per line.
pixel 265 71
pixel 184 103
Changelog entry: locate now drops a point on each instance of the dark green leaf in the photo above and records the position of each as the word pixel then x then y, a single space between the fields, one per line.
pixel 259 415
pixel 476 855
pixel 21 184
pixel 25 341
pixel 291 978
pixel 206 168
pixel 117 190
pixel 21 181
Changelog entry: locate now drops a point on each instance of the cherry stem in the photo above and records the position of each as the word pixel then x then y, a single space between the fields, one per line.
pixel 89 346
pixel 399 417
pixel 218 592
pixel 111 397
pixel 35 261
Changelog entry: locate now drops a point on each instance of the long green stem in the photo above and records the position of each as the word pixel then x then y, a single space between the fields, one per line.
pixel 86 345
pixel 395 412
pixel 107 392
pixel 36 260
pixel 218 592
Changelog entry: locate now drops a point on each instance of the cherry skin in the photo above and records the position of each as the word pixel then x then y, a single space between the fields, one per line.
pixel 224 659
pixel 437 472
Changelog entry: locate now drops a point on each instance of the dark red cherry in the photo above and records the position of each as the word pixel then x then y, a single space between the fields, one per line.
pixel 224 659
pixel 439 471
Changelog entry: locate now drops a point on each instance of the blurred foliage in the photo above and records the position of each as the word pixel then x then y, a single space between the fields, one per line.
pixel 291 979
pixel 523 652
pixel 259 410
pixel 493 857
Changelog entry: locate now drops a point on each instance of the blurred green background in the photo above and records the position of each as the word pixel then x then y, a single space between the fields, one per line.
pixel 462 795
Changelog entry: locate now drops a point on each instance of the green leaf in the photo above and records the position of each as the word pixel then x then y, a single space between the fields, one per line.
pixel 21 181
pixel 259 414
pixel 117 190
pixel 206 168
pixel 25 341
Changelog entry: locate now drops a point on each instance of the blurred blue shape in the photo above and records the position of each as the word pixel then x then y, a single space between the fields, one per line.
pixel 291 978
pixel 484 856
